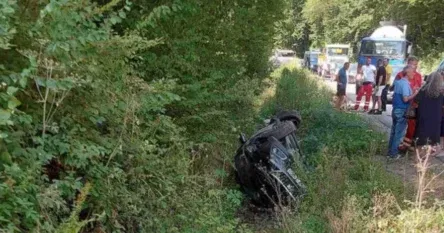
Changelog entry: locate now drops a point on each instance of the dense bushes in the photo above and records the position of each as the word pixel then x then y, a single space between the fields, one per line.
pixel 125 99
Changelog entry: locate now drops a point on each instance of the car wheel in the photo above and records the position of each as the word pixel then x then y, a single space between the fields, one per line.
pixel 293 116
pixel 279 130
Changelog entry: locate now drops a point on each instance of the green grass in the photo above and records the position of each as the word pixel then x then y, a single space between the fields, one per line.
pixel 340 149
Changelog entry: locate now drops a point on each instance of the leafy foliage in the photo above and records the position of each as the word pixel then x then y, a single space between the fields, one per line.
pixel 132 100
pixel 347 21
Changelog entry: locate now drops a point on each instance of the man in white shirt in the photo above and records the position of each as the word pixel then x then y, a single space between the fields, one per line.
pixel 369 73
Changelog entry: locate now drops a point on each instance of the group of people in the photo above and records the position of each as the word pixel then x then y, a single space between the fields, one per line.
pixel 417 115
pixel 375 86
pixel 418 109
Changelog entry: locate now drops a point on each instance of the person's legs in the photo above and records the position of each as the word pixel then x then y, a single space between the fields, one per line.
pixel 407 141
pixel 359 97
pixel 340 96
pixel 400 124
pixel 401 127
pixel 379 99
pixel 405 144
pixel 384 98
pixel 442 133
pixel 379 103
pixel 340 101
pixel 373 102
pixel 411 128
pixel 368 94
pixel 392 133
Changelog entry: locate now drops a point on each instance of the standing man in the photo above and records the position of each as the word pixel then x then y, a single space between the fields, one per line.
pixel 381 79
pixel 369 72
pixel 402 97
pixel 342 85
pixel 389 71
pixel 415 84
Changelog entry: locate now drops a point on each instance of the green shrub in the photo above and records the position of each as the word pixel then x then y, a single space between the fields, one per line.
pixel 142 99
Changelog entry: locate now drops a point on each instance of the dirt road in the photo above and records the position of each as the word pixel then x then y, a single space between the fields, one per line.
pixel 383 121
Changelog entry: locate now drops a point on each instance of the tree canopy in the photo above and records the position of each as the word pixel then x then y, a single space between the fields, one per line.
pixel 347 21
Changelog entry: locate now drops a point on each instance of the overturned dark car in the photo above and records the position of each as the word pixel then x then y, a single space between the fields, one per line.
pixel 264 163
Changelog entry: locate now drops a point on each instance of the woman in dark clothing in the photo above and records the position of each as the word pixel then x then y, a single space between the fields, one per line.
pixel 442 131
pixel 430 102
pixel 441 71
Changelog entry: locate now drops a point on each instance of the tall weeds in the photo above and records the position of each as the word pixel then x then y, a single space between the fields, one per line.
pixel 349 190
pixel 343 177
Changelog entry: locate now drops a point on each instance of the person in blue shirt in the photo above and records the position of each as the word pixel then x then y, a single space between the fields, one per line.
pixel 342 85
pixel 402 95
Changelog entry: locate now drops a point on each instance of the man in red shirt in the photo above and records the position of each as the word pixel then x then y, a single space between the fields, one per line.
pixel 415 84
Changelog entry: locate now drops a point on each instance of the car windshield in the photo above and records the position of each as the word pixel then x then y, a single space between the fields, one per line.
pixel 390 48
pixel 332 51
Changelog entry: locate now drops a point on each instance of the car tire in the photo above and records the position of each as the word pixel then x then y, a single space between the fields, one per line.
pixel 293 116
pixel 279 130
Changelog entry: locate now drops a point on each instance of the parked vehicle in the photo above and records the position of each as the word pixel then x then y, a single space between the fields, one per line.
pixel 311 60
pixel 336 56
pixel 387 41
pixel 263 163
pixel 282 57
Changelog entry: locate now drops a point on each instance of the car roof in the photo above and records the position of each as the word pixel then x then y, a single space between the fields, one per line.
pixel 285 50
pixel 338 45
pixel 383 39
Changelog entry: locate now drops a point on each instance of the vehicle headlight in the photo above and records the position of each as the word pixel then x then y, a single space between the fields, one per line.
pixel 278 153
